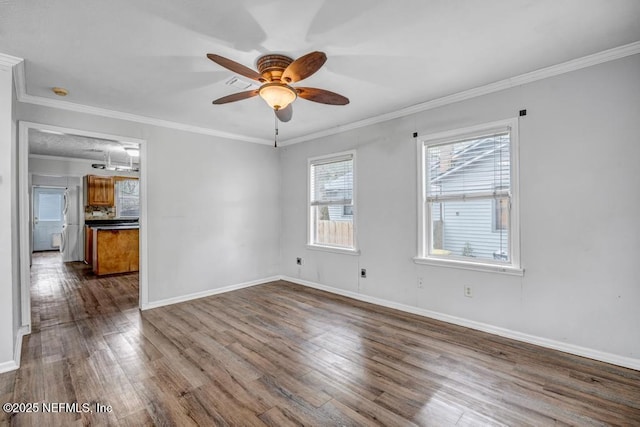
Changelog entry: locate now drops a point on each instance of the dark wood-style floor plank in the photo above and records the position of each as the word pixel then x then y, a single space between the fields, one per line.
pixel 280 354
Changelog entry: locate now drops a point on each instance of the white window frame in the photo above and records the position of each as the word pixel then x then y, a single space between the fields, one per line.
pixel 424 220
pixel 329 248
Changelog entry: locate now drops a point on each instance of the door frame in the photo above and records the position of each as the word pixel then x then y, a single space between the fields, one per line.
pixel 24 203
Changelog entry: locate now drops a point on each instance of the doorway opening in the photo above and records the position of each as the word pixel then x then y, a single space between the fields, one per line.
pixel 55 163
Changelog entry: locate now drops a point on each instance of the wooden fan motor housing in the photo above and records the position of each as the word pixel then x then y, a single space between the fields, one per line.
pixel 272 66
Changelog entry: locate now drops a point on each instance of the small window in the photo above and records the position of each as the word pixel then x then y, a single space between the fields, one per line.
pixel 468 198
pixel 50 206
pixel 127 198
pixel 331 202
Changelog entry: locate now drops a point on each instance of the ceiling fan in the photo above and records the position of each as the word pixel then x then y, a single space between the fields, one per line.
pixel 276 73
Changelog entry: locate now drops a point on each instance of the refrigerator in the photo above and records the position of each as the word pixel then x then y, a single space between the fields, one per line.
pixel 71 241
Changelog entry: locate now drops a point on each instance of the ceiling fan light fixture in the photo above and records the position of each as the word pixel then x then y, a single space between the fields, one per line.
pixel 277 95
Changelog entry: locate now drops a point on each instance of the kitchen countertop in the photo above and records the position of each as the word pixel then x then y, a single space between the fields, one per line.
pixel 101 222
pixel 116 227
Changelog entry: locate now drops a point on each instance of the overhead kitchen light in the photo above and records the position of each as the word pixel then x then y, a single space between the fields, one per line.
pixel 112 167
pixel 133 152
pixel 119 168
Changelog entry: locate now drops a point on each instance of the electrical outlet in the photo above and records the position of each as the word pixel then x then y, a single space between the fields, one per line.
pixel 363 273
pixel 420 283
pixel 468 292
pixel 299 261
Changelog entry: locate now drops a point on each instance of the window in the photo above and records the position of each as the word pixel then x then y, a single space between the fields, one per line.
pixel 468 201
pixel 127 198
pixel 331 202
pixel 50 206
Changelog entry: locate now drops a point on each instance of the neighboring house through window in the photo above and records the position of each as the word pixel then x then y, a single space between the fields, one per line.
pixel 331 202
pixel 468 198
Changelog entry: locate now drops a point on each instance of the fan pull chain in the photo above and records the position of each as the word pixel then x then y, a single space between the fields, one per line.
pixel 275 138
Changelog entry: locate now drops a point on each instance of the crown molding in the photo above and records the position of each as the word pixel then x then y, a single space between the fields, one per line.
pixel 8 61
pixel 19 79
pixel 543 73
pixel 113 114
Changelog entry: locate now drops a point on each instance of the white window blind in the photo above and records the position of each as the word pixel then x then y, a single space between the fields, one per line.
pixel 478 167
pixel 468 197
pixel 332 182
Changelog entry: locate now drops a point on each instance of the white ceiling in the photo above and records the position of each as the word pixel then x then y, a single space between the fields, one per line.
pixel 147 57
pixel 80 147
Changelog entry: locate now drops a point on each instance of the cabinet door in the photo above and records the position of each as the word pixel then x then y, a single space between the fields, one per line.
pixel 100 190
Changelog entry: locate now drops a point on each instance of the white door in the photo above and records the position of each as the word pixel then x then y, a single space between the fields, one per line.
pixel 48 204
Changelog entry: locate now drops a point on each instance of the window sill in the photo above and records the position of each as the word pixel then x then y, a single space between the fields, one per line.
pixel 332 249
pixel 475 266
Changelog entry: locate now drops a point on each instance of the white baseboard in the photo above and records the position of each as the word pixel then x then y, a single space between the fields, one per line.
pixel 8 366
pixel 14 364
pixel 207 293
pixel 601 356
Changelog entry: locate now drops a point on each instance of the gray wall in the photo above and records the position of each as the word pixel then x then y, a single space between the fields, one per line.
pixel 580 205
pixel 213 213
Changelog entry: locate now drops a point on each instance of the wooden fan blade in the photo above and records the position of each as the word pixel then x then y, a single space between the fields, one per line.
pixel 322 96
pixel 303 67
pixel 285 114
pixel 236 97
pixel 235 67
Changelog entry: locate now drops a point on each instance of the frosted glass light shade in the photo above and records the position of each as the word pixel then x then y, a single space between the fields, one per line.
pixel 277 95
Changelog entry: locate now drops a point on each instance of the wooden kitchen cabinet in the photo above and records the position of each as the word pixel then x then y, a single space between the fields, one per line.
pixel 100 190
pixel 115 250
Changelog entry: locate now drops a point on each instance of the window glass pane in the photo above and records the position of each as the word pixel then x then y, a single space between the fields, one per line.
pixel 331 227
pixel 477 165
pixel 466 229
pixel 50 207
pixel 128 198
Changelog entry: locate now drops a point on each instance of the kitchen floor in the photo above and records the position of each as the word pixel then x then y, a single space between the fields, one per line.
pixel 66 292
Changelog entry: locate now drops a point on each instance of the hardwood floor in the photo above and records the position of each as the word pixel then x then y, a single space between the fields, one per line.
pixel 281 354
